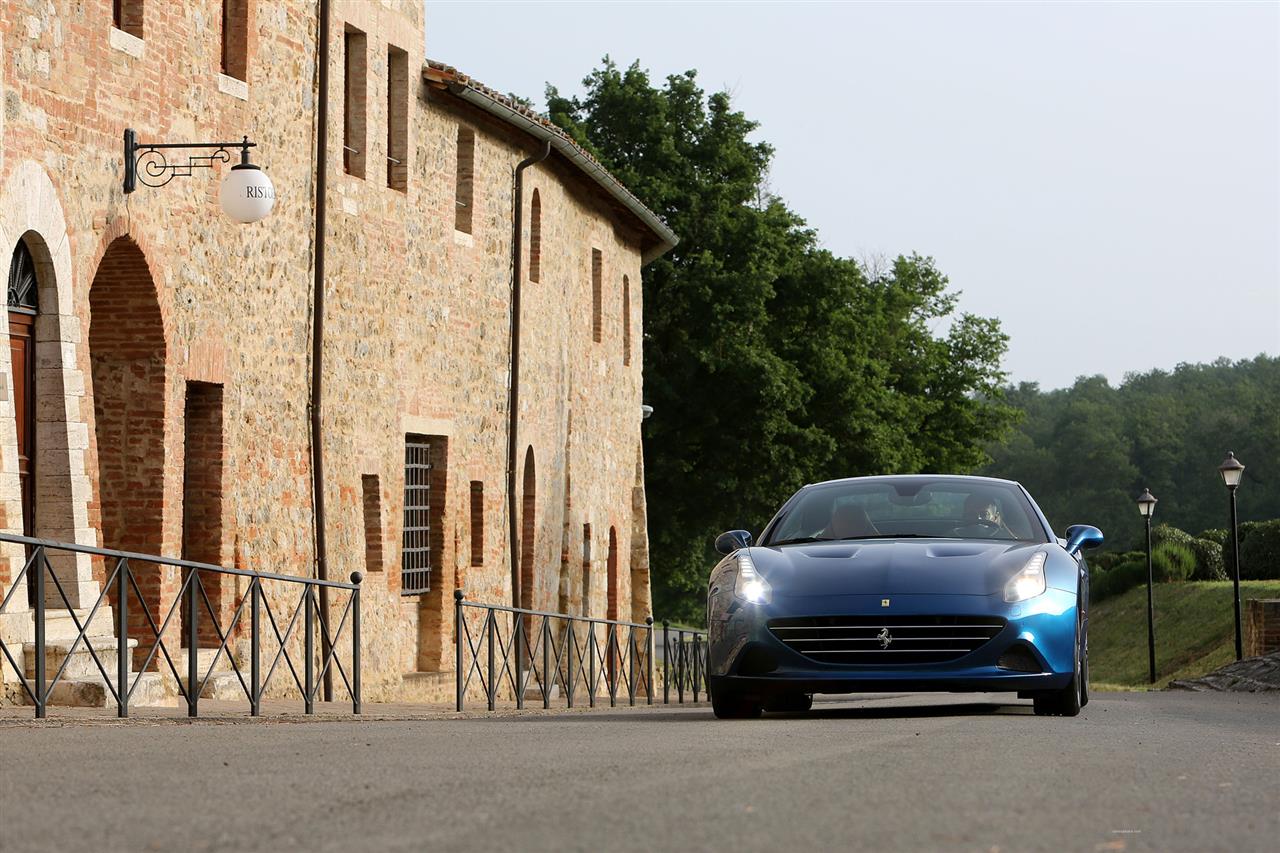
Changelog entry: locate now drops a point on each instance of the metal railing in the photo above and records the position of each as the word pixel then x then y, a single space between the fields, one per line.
pixel 500 648
pixel 123 580
pixel 684 663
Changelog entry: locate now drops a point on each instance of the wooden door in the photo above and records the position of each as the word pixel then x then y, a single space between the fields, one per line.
pixel 22 352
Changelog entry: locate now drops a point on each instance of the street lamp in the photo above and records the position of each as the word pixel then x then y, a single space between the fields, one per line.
pixel 247 194
pixel 1232 472
pixel 1147 506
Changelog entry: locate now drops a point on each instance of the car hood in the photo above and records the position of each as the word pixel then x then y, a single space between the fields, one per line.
pixel 892 566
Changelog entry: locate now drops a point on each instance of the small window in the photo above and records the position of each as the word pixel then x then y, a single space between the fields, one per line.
pixel 464 197
pixel 127 15
pixel 235 39
pixel 477 523
pixel 597 272
pixel 424 490
pixel 535 238
pixel 371 492
pixel 397 118
pixel 626 320
pixel 354 91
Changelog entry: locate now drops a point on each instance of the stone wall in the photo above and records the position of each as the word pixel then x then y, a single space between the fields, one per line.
pixel 148 296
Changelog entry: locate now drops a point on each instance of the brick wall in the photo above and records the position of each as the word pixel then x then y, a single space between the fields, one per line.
pixel 149 293
pixel 1261 626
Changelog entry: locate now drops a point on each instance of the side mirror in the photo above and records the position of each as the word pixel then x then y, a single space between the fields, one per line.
pixel 1082 536
pixel 727 543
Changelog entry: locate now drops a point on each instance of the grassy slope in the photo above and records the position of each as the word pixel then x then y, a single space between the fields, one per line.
pixel 1194 632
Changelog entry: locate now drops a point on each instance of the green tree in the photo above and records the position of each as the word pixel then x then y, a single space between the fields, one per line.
pixel 1086 451
pixel 770 362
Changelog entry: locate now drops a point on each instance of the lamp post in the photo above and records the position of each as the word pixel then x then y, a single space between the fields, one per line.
pixel 1232 472
pixel 1147 506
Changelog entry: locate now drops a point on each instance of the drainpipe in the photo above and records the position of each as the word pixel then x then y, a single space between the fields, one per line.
pixel 513 395
pixel 317 344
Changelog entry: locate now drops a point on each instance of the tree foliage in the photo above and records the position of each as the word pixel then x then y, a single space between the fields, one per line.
pixel 770 362
pixel 1086 451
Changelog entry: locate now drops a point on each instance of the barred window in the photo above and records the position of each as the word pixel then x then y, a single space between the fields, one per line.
pixel 415 554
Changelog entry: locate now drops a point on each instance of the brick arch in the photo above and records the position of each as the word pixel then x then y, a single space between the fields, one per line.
pixel 528 531
pixel 128 364
pixel 33 214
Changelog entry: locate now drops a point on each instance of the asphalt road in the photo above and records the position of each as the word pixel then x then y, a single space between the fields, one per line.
pixel 1163 771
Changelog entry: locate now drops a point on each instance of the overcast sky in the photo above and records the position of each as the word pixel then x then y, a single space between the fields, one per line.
pixel 1104 178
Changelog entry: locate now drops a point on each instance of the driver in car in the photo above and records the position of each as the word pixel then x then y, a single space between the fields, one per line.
pixel 982 519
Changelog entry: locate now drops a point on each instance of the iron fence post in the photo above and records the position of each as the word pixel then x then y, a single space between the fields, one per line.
pixel 309 650
pixel 193 646
pixel 648 667
pixel 356 578
pixel 255 666
pixel 38 565
pixel 493 686
pixel 457 647
pixel 570 649
pixel 591 664
pixel 546 662
pixel 517 636
pixel 680 667
pixel 122 635
pixel 611 652
pixel 697 664
pixel 631 666
pixel 666 664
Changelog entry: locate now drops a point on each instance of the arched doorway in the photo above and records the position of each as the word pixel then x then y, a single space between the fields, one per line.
pixel 39 361
pixel 24 293
pixel 528 531
pixel 128 359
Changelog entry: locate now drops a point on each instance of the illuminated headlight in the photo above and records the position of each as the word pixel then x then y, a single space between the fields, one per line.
pixel 749 586
pixel 1029 582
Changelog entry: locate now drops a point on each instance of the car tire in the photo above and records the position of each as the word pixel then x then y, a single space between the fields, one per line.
pixel 789 703
pixel 729 704
pixel 1068 701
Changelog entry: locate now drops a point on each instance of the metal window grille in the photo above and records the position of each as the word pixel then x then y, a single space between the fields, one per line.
pixel 415 555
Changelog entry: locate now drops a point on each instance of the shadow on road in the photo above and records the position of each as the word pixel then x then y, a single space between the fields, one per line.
pixel 821 711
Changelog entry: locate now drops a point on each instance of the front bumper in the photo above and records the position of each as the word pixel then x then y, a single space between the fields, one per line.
pixel 744 652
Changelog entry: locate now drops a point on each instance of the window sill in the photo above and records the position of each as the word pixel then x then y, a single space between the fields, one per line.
pixel 462 238
pixel 233 87
pixel 126 43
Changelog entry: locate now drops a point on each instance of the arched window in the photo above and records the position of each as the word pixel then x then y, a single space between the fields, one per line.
pixel 611 577
pixel 597 296
pixel 23 290
pixel 626 321
pixel 535 238
pixel 528 532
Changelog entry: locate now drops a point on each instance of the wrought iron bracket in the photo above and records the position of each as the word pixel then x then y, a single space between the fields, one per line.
pixel 146 161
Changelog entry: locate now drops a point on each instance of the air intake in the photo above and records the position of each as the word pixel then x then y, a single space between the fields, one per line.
pixel 1019 659
pixel 885 640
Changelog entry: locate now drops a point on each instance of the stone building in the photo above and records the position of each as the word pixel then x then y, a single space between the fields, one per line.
pixel 155 391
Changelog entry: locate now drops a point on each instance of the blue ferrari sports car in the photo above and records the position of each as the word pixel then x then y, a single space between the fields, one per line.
pixel 900 583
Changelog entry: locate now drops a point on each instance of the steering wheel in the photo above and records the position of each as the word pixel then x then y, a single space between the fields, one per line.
pixel 984 523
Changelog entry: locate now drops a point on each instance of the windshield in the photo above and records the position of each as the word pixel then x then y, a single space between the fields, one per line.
pixel 909 507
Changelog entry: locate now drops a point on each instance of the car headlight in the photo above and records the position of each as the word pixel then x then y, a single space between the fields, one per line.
pixel 1029 582
pixel 749 586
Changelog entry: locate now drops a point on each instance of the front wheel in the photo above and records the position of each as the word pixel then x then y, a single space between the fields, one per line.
pixel 1068 701
pixel 729 704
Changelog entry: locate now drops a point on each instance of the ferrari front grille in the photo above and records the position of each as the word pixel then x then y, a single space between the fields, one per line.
pixel 885 640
